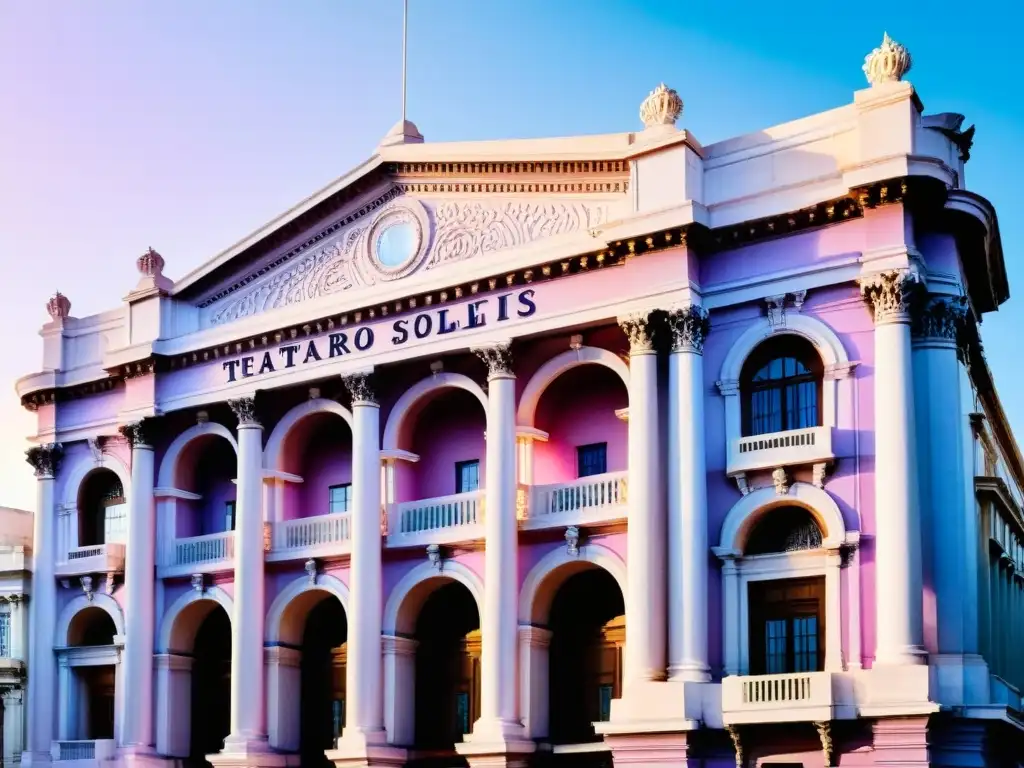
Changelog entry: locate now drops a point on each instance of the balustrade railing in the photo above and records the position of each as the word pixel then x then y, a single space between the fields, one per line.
pixel 82 749
pixel 780 449
pixel 312 531
pixel 203 549
pixel 460 509
pixel 594 494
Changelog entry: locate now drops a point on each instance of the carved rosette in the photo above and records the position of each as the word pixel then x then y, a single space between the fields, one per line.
pixel 888 63
pixel 940 318
pixel 244 409
pixel 689 327
pixel 45 459
pixel 360 388
pixel 138 434
pixel 498 359
pixel 639 328
pixel 890 295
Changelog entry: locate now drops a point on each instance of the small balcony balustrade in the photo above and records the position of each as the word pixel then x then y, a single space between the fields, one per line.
pixel 316 536
pixel 199 554
pixel 809 446
pixel 795 697
pixel 95 558
pixel 586 501
pixel 443 520
pixel 83 752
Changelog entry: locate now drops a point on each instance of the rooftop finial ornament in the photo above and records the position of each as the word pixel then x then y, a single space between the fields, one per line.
pixel 661 107
pixel 59 307
pixel 151 271
pixel 888 63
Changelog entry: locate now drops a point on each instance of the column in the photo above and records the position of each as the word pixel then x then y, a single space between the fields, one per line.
pixel 833 612
pixel 731 615
pixel 534 687
pixel 248 732
pixel 139 572
pixel 13 725
pixel 364 671
pixel 499 716
pixel 400 685
pixel 898 571
pixel 42 682
pixel 645 543
pixel 687 499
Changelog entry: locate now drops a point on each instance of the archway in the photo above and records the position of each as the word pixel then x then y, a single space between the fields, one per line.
pixel 210 710
pixel 102 509
pixel 88 692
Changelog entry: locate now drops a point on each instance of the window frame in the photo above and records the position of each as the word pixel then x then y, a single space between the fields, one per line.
pixel 763 610
pixel 348 498
pixel 459 467
pixel 581 451
pixel 781 348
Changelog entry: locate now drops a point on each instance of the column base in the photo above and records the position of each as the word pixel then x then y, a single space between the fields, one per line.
pixel 689 673
pixel 650 749
pixel 898 691
pixel 363 750
pixel 36 759
pixel 662 707
pixel 250 752
pixel 144 757
pixel 961 680
pixel 497 744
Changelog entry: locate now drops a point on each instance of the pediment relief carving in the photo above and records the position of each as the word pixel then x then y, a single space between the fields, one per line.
pixel 405 236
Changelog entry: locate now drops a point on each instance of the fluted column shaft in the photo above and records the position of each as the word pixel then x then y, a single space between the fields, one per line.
pixel 364 673
pixel 687 499
pixel 898 568
pixel 499 714
pixel 42 682
pixel 139 572
pixel 645 544
pixel 248 730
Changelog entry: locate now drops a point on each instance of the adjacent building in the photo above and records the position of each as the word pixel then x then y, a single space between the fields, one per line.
pixel 615 449
pixel 15 579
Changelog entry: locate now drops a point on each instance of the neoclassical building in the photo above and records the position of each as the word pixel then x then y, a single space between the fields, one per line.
pixel 614 449
pixel 15 587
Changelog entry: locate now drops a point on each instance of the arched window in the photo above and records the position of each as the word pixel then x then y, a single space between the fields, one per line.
pixel 102 510
pixel 784 529
pixel 781 387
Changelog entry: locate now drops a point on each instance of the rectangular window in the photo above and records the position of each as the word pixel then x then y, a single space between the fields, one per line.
pixel 604 703
pixel 229 515
pixel 337 717
pixel 467 476
pixel 591 459
pixel 462 712
pixel 786 626
pixel 5 634
pixel 341 498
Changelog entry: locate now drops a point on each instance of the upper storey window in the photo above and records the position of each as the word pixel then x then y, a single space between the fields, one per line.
pixel 591 459
pixel 102 510
pixel 781 387
pixel 467 476
pixel 5 631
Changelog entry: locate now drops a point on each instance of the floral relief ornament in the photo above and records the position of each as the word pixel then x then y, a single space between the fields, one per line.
pixel 639 329
pixel 689 326
pixel 890 294
pixel 888 63
pixel 497 357
pixel 244 409
pixel 45 459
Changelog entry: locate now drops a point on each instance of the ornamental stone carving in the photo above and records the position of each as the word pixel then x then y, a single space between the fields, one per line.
pixel 639 328
pixel 244 409
pixel 737 744
pixel 890 295
pixel 498 359
pixel 150 264
pixel 689 327
pixel 198 583
pixel 86 582
pixel 940 318
pixel 781 481
pixel 572 541
pixel 661 107
pixel 435 557
pixel 888 63
pixel 58 307
pixel 45 459
pixel 824 728
pixel 360 387
pixel 138 434
pixel 311 569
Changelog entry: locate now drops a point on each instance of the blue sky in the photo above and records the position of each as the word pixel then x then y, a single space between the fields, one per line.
pixel 185 124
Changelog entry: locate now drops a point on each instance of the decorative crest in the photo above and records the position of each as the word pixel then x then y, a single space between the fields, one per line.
pixel 890 294
pixel 498 359
pixel 58 307
pixel 888 63
pixel 435 556
pixel 45 459
pixel 639 328
pixel 572 541
pixel 198 583
pixel 689 326
pixel 150 264
pixel 661 107
pixel 244 409
pixel 138 433
pixel 310 567
pixel 360 387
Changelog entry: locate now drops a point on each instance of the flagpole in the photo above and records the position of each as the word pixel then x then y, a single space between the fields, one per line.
pixel 405 35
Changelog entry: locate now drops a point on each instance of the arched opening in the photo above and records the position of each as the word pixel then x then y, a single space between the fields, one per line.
pixel 585 436
pixel 210 711
pixel 102 510
pixel 91 699
pixel 207 467
pixel 447 687
pixel 446 430
pixel 322 680
pixel 588 629
pixel 781 386
pixel 318 448
pixel 787 615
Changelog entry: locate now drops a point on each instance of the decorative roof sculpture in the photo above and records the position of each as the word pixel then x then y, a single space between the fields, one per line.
pixel 661 107
pixel 888 63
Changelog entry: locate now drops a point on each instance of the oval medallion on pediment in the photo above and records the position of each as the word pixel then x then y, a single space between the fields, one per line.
pixel 398 240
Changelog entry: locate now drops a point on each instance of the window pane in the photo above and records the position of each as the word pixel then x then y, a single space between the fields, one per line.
pixel 341 498
pixel 591 459
pixel 805 643
pixel 766 411
pixel 5 635
pixel 115 523
pixel 462 712
pixel 337 717
pixel 229 516
pixel 775 646
pixel 604 703
pixel 467 476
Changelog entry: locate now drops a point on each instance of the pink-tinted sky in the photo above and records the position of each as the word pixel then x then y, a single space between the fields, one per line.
pixel 186 124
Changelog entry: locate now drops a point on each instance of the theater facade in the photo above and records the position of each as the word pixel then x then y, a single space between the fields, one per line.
pixel 616 449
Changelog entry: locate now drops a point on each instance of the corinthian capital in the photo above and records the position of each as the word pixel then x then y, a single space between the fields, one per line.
pixel 941 317
pixel 244 409
pixel 360 388
pixel 639 328
pixel 890 295
pixel 689 326
pixel 498 359
pixel 138 434
pixel 45 459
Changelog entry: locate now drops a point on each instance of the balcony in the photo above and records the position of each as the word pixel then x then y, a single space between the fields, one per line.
pixel 444 520
pixel 587 501
pixel 199 554
pixel 317 536
pixel 780 449
pixel 797 697
pixel 84 752
pixel 95 558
